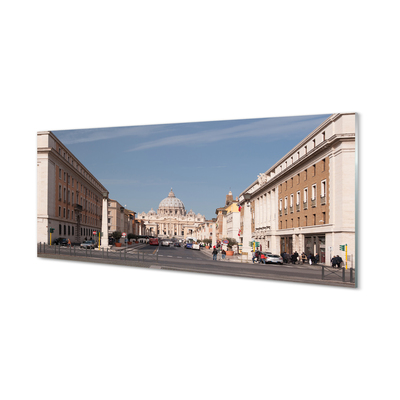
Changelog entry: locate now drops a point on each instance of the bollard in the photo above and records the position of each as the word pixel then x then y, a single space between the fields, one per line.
pixel 70 250
pixel 55 249
pixel 44 247
pixel 143 255
pixel 125 255
pixel 323 271
pixel 352 278
pixel 343 274
pixel 40 247
pixel 86 251
pixel 107 252
pixel 74 251
pixel 90 251
pixel 138 255
pixel 120 255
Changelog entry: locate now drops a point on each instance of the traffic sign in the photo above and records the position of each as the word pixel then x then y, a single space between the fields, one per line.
pixel 123 233
pixel 94 232
pixel 225 241
pixel 342 247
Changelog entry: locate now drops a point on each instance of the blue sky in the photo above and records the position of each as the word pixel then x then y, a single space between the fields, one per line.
pixel 201 161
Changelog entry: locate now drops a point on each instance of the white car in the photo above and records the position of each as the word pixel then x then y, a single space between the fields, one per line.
pixel 165 243
pixel 196 246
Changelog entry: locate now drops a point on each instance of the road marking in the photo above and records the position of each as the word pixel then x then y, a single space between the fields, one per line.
pixel 189 258
pixel 169 256
pixel 179 257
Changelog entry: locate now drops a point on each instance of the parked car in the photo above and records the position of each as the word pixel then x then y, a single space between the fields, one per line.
pixel 61 241
pixel 165 243
pixel 188 245
pixel 195 246
pixel 111 241
pixel 176 244
pixel 273 259
pixel 88 244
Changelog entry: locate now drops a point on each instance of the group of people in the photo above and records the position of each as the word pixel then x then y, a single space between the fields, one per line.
pixel 336 261
pixel 215 253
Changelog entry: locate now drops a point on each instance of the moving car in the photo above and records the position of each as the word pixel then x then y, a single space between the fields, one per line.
pixel 165 243
pixel 153 241
pixel 195 246
pixel 88 244
pixel 176 244
pixel 61 241
pixel 188 245
pixel 273 259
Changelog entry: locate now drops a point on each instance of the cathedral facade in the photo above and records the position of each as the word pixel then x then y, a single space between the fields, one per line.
pixel 171 219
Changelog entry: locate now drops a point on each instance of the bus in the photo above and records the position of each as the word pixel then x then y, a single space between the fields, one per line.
pixel 153 241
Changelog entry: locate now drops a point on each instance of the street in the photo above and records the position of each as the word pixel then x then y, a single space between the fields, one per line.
pixel 181 259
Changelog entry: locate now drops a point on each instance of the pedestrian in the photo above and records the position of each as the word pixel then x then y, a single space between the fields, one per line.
pixel 214 253
pixel 223 252
pixel 334 261
pixel 304 257
pixel 253 256
pixel 316 258
pixel 339 261
pixel 69 243
pixel 263 258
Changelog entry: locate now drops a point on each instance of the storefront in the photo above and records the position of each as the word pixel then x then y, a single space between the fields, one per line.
pixel 315 245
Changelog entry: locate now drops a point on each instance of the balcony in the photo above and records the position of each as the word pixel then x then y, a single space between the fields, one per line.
pixel 280 213
pixel 297 207
pixel 305 205
pixel 291 209
pixel 77 207
pixel 323 200
pixel 285 210
pixel 313 202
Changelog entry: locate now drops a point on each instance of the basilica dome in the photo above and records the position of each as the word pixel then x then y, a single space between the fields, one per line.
pixel 171 202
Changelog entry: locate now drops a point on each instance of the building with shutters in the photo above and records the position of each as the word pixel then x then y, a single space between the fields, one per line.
pixel 306 201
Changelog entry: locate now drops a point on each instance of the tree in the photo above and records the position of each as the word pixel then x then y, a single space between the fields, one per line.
pixel 116 235
pixel 232 242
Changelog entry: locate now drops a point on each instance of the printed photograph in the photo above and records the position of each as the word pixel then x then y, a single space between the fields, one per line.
pixel 268 198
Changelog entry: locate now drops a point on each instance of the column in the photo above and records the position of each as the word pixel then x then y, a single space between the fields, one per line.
pixel 247 230
pixel 104 220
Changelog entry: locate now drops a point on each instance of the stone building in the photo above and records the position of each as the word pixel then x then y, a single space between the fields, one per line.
pixel 306 201
pixel 70 200
pixel 171 219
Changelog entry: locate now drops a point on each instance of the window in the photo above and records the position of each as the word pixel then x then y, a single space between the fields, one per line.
pixel 59 173
pixel 59 229
pixel 298 178
pixel 64 212
pixel 65 230
pixel 305 175
pixel 323 164
pixel 324 218
pixel 291 181
pixel 314 219
pixel 323 188
pixel 305 150
pixel 65 194
pixel 59 192
pixel 313 192
pixel 65 177
pixel 305 198
pixel 314 168
pixel 298 200
pixel 59 211
pixel 323 136
pixel 298 154
pixel 313 142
